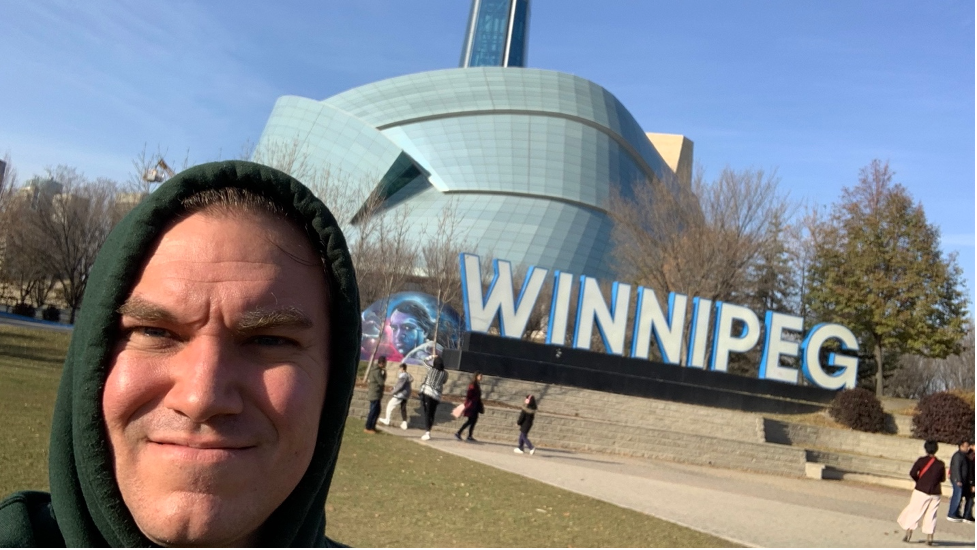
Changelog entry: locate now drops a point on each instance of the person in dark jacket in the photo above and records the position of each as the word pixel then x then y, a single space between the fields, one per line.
pixel 473 407
pixel 377 379
pixel 431 394
pixel 209 375
pixel 928 472
pixel 526 417
pixel 959 474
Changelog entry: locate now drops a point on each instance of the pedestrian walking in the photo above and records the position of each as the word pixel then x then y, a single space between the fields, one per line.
pixel 526 417
pixel 374 391
pixel 473 407
pixel 929 472
pixel 399 396
pixel 431 394
pixel 959 476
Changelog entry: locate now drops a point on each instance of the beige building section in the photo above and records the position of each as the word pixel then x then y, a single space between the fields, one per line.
pixel 676 151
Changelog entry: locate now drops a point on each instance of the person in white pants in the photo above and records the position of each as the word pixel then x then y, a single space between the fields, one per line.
pixel 928 472
pixel 399 396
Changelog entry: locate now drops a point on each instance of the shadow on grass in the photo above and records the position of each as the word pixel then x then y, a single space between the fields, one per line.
pixel 42 348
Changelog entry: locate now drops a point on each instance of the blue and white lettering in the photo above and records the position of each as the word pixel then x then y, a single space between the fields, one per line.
pixel 811 360
pixel 611 323
pixel 650 319
pixel 724 342
pixel 556 327
pixel 480 312
pixel 775 346
pixel 700 333
pixel 611 319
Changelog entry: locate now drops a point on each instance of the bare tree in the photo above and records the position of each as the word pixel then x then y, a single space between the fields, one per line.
pixel 386 259
pixel 703 243
pixel 70 229
pixel 349 199
pixel 442 272
pixel 24 270
pixel 8 182
pixel 918 376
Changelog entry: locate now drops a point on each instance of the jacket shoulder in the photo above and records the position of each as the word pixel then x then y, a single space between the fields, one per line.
pixel 27 520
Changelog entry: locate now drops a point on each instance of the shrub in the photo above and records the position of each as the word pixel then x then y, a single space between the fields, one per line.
pixel 52 313
pixel 944 417
pixel 966 395
pixel 858 409
pixel 24 310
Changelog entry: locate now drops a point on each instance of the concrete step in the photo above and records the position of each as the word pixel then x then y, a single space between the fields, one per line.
pixel 897 449
pixel 860 464
pixel 628 410
pixel 584 434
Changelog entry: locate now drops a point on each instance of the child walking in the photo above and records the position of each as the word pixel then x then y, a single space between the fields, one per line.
pixel 526 417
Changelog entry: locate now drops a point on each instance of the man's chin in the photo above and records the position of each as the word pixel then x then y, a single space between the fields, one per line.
pixel 195 519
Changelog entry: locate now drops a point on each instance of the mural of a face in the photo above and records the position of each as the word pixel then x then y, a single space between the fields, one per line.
pixel 402 326
pixel 407 331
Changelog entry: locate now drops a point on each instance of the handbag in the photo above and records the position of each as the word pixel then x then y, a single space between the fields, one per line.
pixel 456 412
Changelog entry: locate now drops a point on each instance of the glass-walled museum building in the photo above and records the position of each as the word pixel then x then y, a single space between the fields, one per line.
pixel 527 157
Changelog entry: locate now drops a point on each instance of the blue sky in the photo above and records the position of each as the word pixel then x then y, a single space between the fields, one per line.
pixel 815 90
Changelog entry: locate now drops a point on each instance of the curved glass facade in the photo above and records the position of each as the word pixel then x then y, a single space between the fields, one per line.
pixel 527 156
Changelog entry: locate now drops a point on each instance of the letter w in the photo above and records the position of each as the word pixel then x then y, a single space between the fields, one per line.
pixel 481 311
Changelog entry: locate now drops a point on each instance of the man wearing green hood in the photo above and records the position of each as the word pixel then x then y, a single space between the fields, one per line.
pixel 209 375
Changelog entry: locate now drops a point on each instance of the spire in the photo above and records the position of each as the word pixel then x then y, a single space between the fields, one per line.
pixel 498 34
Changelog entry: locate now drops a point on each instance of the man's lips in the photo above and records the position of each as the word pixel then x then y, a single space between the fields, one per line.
pixel 200 450
pixel 202 443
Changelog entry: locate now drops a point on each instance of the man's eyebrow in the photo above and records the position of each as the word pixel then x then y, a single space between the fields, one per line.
pixel 144 310
pixel 285 317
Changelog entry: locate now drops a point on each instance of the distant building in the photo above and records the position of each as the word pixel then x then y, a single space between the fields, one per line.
pixel 38 192
pixel 529 157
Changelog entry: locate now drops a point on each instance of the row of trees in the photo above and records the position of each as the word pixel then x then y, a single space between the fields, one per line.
pixel 871 262
pixel 50 232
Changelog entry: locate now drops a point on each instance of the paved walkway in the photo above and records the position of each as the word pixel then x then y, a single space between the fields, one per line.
pixel 746 508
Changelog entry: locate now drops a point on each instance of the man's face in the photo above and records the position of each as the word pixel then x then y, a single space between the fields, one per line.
pixel 213 399
pixel 407 332
pixel 965 446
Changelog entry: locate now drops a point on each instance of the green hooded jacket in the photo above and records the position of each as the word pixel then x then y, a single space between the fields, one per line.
pixel 85 506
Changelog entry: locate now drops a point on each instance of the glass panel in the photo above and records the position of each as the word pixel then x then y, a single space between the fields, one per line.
pixel 491 29
pixel 520 28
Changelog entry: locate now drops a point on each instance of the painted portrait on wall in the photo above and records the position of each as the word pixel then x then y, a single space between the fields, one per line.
pixel 402 327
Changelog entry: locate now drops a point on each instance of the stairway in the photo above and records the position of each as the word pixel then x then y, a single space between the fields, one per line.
pixel 582 420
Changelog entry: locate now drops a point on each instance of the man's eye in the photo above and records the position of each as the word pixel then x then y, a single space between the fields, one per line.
pixel 271 341
pixel 152 332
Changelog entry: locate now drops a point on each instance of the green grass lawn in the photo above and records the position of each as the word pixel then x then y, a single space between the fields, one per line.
pixel 387 491
pixel 30 367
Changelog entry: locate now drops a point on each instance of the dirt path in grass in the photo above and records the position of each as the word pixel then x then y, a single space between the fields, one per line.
pixel 751 509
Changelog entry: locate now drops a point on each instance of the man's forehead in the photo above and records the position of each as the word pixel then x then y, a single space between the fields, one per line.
pixel 218 244
pixel 270 256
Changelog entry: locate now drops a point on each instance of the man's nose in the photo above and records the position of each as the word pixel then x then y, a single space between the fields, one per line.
pixel 206 380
